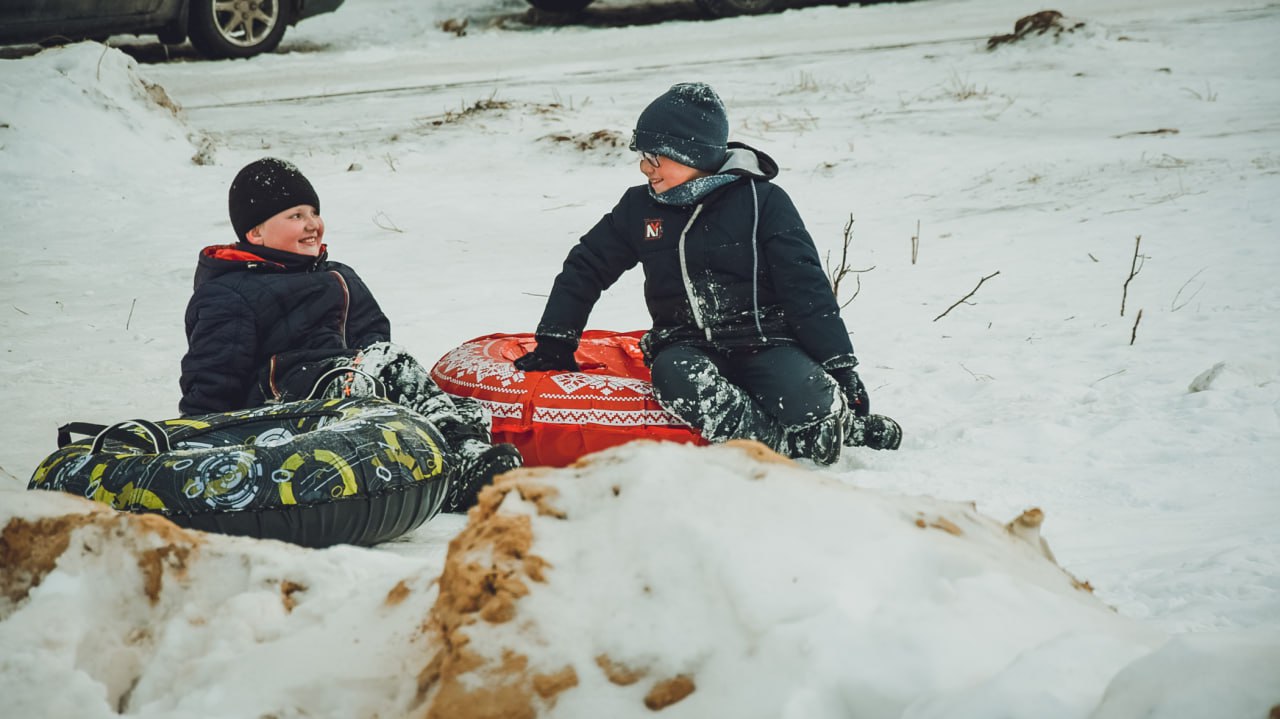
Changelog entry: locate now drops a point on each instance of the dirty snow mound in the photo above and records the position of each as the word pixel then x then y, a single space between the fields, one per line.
pixel 621 585
pixel 103 613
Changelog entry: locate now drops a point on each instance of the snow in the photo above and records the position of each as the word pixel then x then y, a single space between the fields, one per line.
pixel 447 181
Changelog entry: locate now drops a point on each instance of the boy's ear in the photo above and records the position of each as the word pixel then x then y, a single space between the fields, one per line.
pixel 254 236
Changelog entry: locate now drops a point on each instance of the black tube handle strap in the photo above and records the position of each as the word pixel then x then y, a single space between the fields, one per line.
pixel 87 429
pixel 159 439
pixel 379 388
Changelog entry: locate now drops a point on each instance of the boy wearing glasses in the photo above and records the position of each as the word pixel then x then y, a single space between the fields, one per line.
pixel 747 340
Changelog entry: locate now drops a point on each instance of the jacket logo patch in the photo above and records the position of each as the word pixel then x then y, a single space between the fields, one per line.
pixel 652 229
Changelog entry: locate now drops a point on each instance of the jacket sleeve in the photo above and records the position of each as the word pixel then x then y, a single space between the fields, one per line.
pixel 592 266
pixel 221 345
pixel 810 306
pixel 366 322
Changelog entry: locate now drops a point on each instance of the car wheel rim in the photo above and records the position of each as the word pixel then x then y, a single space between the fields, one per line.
pixel 246 23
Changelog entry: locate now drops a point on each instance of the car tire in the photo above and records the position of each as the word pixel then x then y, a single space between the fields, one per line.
pixel 560 5
pixel 175 33
pixel 237 28
pixel 729 8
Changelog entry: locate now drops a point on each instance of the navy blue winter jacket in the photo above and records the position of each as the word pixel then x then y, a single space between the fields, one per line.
pixel 744 273
pixel 254 308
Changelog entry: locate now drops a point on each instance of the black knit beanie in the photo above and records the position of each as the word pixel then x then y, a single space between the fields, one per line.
pixel 687 123
pixel 265 188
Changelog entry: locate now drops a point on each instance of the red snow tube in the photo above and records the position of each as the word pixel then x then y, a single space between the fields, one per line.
pixel 556 417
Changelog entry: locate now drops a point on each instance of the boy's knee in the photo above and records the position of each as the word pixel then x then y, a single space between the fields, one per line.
pixel 680 370
pixel 814 398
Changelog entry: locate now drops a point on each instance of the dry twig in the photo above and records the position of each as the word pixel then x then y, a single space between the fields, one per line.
pixel 384 223
pixel 1133 336
pixel 839 273
pixel 1174 306
pixel 1134 268
pixel 979 377
pixel 971 293
pixel 1113 374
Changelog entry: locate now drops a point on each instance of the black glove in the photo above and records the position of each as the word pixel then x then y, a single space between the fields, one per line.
pixel 855 393
pixel 550 354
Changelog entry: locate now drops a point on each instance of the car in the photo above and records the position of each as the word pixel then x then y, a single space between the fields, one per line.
pixel 216 28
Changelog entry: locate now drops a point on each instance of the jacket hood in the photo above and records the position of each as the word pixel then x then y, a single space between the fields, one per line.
pixel 742 161
pixel 218 260
pixel 749 162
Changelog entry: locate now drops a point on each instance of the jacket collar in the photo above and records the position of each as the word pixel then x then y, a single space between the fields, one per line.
pixel 742 161
pixel 217 260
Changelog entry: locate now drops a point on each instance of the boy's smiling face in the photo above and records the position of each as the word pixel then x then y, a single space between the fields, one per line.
pixel 668 173
pixel 298 229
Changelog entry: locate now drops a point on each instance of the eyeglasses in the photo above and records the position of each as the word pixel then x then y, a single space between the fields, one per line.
pixel 650 157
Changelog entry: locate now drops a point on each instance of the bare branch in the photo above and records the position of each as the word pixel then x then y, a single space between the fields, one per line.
pixel 857 281
pixel 1134 268
pixel 837 274
pixel 1113 374
pixel 105 47
pixel 915 243
pixel 979 377
pixel 1174 306
pixel 384 223
pixel 130 317
pixel 971 293
pixel 1133 336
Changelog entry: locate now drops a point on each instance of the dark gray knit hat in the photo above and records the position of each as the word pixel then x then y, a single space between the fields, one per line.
pixel 264 188
pixel 687 123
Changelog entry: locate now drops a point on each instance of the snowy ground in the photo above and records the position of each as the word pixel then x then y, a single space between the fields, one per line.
pixel 456 171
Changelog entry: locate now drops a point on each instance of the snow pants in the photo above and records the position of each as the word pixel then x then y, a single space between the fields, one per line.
pixel 463 421
pixel 762 394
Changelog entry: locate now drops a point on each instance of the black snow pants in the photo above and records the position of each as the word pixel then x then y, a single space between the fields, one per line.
pixel 462 421
pixel 760 393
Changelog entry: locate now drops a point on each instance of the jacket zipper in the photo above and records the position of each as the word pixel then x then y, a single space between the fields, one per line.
pixel 346 306
pixel 684 274
pixel 271 379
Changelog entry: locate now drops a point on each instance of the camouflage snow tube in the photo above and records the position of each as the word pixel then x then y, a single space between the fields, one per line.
pixel 315 472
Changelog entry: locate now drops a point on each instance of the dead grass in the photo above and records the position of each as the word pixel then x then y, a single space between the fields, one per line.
pixel 590 141
pixel 1045 22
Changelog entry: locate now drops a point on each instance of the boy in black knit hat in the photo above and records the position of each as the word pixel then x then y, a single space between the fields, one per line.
pixel 271 314
pixel 747 340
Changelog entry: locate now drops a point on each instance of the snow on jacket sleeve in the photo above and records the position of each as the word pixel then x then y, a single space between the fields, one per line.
pixel 805 291
pixel 592 266
pixel 221 344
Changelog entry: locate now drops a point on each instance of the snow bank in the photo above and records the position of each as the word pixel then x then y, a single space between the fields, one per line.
pixel 104 613
pixel 622 583
pixel 1225 674
pixel 720 581
pixel 84 110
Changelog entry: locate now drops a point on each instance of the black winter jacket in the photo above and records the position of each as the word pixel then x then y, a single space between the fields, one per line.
pixel 255 309
pixel 744 274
